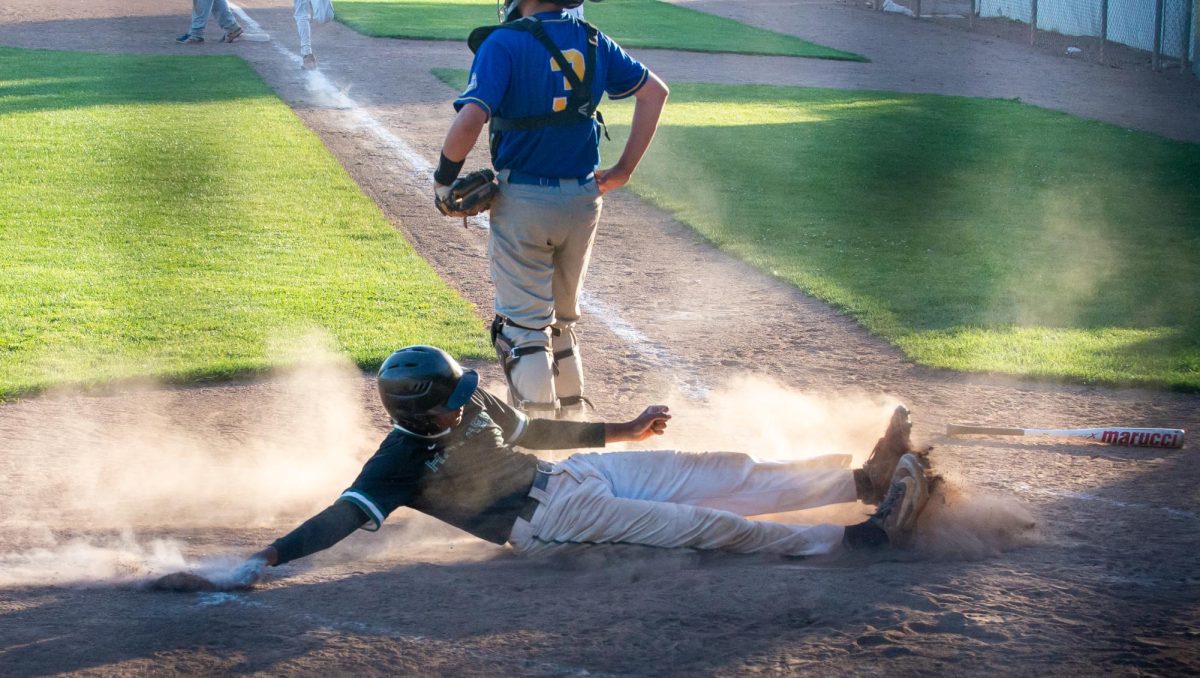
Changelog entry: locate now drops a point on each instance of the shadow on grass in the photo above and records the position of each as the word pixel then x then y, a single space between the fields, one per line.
pixel 920 213
pixel 33 80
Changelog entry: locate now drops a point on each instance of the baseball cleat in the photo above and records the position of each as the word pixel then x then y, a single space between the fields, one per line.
pixel 189 39
pixel 232 34
pixel 310 63
pixel 895 443
pixel 906 497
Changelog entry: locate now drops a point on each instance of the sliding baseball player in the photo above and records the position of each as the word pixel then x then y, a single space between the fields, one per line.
pixel 451 454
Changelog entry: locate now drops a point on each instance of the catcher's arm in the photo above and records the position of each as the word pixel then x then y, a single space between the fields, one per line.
pixel 647 107
pixel 461 137
pixel 473 193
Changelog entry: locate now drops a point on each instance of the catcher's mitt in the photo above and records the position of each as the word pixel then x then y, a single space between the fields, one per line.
pixel 468 195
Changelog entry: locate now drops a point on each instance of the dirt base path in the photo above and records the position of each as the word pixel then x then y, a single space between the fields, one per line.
pixel 1109 590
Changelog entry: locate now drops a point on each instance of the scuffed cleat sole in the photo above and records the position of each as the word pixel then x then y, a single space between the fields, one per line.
pixel 913 473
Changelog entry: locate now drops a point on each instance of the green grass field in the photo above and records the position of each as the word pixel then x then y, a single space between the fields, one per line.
pixel 632 23
pixel 977 235
pixel 171 217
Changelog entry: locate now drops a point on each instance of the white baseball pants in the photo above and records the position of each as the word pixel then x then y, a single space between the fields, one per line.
pixel 685 500
pixel 302 13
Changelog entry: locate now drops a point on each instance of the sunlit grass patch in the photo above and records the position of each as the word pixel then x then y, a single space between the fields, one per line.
pixel 170 217
pixel 633 23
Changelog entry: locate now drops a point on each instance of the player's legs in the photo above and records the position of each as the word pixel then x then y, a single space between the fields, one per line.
pixel 200 11
pixel 584 511
pixel 302 12
pixel 572 255
pixel 728 481
pixel 220 10
pixel 521 253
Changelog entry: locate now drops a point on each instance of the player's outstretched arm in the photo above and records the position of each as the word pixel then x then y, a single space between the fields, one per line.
pixel 648 106
pixel 651 422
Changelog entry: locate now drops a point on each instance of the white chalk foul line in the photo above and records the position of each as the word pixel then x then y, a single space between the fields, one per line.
pixel 421 170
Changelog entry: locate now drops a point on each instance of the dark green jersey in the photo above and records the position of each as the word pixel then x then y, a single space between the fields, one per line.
pixel 469 476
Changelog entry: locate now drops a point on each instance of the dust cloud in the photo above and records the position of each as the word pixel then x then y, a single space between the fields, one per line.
pixel 168 458
pixel 102 561
pixel 771 422
pixel 82 465
pixel 960 524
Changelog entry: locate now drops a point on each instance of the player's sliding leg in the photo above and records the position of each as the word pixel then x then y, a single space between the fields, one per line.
pixel 586 512
pixel 728 481
pixel 579 506
pixel 874 478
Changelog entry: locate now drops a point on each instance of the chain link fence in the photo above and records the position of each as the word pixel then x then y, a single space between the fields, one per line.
pixel 1165 28
pixel 1169 30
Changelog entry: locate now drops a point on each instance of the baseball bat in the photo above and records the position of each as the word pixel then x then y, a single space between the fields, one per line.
pixel 1113 435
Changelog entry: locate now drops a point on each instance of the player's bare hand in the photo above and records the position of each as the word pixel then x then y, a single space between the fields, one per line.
pixel 651 422
pixel 611 178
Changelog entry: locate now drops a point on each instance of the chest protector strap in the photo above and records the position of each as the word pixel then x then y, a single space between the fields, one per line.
pixel 580 105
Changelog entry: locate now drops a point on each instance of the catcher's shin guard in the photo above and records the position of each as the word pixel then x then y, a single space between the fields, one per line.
pixel 568 373
pixel 524 354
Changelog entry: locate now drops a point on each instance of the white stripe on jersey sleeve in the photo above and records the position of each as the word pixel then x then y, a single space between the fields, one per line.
pixel 367 505
pixel 522 422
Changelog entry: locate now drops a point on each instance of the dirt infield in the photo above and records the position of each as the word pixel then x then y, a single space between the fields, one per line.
pixel 104 489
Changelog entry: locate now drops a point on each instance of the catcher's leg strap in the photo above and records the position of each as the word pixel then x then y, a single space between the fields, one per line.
pixel 525 356
pixel 568 372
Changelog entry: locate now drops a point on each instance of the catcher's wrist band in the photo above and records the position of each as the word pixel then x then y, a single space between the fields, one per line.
pixel 447 170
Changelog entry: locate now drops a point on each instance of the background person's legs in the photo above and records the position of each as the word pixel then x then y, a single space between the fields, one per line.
pixel 302 12
pixel 220 9
pixel 200 11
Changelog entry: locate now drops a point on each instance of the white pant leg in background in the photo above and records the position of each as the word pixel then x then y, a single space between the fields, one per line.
pixel 682 500
pixel 302 11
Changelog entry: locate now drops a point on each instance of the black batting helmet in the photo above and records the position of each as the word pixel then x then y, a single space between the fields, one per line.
pixel 417 382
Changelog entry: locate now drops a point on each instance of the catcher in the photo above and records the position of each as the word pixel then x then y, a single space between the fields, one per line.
pixel 451 455
pixel 536 82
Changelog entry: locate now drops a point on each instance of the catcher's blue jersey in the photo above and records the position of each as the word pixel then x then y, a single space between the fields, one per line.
pixel 514 76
